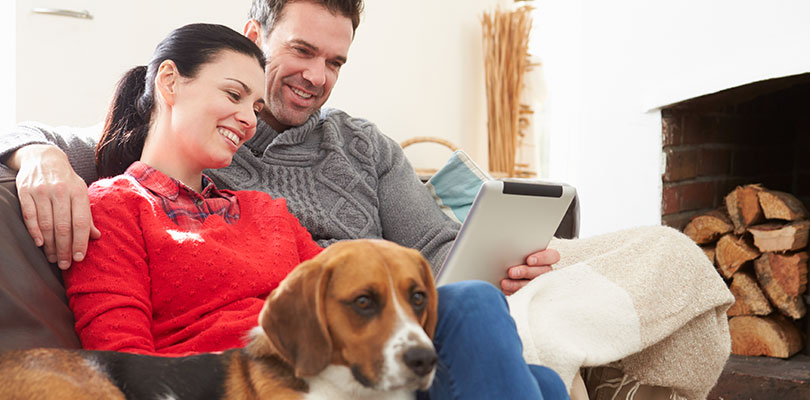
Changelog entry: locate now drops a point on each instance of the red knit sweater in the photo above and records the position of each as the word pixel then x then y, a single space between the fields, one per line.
pixel 147 287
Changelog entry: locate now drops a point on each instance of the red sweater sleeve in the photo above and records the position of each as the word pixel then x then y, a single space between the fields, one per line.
pixel 109 292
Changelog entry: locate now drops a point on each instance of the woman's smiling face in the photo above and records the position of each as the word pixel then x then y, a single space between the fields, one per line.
pixel 216 111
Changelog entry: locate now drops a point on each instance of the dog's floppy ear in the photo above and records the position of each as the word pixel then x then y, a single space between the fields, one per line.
pixel 433 297
pixel 294 320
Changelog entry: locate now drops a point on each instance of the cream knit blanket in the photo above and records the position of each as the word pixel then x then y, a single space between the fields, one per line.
pixel 646 300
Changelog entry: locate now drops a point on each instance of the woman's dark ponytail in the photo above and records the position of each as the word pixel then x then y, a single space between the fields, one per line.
pixel 126 125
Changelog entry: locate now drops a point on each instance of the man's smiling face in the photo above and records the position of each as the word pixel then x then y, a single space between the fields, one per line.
pixel 304 51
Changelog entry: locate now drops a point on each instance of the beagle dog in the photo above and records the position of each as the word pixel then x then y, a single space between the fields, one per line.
pixel 355 322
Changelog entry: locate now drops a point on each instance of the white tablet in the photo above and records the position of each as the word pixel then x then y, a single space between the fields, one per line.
pixel 508 221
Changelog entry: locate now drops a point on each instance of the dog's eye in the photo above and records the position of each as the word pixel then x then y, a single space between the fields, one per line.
pixel 362 302
pixel 365 305
pixel 418 299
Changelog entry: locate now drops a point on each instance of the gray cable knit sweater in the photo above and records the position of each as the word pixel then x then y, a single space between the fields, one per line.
pixel 341 177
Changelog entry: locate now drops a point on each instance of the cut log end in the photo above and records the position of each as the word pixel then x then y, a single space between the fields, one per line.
pixel 743 207
pixel 781 205
pixel 731 253
pixel 707 228
pixel 783 278
pixel 772 336
pixel 780 237
pixel 748 297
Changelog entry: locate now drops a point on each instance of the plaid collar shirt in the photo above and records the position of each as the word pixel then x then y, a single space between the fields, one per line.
pixel 187 208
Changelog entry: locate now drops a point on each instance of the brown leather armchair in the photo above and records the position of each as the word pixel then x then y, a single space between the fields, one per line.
pixel 33 307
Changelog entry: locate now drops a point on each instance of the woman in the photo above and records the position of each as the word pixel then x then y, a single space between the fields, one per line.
pixel 183 267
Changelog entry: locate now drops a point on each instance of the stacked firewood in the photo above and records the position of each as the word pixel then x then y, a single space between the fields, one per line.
pixel 758 243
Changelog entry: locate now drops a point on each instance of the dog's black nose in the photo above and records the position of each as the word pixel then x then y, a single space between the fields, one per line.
pixel 420 360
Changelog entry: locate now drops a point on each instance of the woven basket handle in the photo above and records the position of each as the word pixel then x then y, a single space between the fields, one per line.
pixel 428 139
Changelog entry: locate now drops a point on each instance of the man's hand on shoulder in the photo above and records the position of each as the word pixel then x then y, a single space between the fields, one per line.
pixel 536 264
pixel 54 203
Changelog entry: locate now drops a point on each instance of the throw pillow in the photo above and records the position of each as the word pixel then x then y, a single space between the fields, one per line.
pixel 455 185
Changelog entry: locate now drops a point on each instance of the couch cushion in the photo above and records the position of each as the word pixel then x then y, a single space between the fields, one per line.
pixel 33 308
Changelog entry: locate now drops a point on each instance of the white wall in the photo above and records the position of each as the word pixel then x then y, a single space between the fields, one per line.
pixel 608 66
pixel 7 68
pixel 416 69
pixel 67 68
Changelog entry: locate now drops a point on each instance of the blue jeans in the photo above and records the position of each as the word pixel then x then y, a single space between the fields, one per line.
pixel 480 353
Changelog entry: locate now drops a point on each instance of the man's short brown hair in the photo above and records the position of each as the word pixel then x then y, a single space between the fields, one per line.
pixel 268 12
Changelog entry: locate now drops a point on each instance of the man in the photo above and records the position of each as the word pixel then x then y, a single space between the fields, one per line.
pixel 300 77
pixel 342 178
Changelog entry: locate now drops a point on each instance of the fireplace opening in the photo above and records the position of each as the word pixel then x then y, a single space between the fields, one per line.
pixel 756 133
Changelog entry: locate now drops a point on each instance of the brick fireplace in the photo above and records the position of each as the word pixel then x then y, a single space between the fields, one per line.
pixel 757 133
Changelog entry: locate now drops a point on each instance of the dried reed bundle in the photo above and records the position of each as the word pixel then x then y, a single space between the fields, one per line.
pixel 506 59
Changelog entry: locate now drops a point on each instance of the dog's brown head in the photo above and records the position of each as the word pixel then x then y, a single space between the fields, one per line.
pixel 364 306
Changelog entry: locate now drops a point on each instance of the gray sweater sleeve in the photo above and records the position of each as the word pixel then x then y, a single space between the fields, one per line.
pixel 78 143
pixel 408 213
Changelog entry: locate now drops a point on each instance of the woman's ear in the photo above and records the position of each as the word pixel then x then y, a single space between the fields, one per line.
pixel 167 81
pixel 253 31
